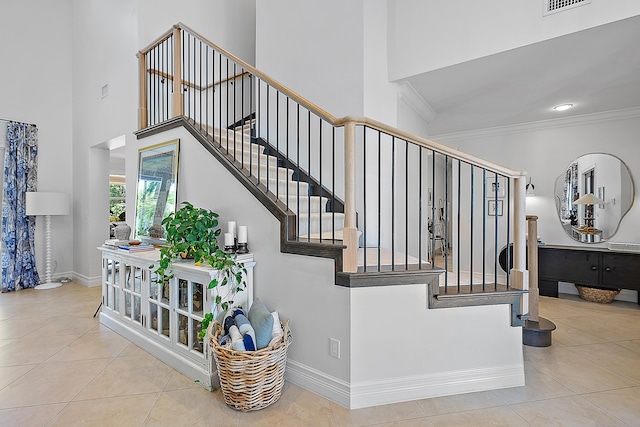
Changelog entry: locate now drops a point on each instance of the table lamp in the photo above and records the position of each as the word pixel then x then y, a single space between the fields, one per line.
pixel 47 204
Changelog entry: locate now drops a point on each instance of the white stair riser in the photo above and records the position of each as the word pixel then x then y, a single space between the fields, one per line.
pixel 306 204
pixel 281 187
pixel 310 223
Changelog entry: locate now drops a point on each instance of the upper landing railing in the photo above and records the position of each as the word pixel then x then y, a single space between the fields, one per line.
pixel 409 203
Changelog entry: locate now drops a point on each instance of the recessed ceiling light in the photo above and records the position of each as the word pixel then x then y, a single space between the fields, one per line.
pixel 562 107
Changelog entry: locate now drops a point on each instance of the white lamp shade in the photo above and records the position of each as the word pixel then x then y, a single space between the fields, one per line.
pixel 588 199
pixel 47 203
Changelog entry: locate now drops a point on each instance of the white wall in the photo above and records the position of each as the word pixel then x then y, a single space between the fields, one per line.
pixel 107 36
pixel 546 149
pixel 36 85
pixel 428 35
pixel 104 47
pixel 315 49
pixel 402 350
pixel 301 288
pixel 229 24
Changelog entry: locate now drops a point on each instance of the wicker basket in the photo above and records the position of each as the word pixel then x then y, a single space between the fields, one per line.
pixel 600 295
pixel 251 380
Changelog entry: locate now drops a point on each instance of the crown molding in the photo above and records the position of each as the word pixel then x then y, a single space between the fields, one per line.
pixel 607 116
pixel 408 94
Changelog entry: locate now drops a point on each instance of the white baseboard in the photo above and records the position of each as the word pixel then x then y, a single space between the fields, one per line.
pixel 394 390
pixel 89 282
pixel 318 382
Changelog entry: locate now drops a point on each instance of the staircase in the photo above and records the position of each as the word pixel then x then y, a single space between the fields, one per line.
pixel 351 189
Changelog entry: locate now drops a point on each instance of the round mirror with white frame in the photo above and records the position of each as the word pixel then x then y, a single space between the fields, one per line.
pixel 592 196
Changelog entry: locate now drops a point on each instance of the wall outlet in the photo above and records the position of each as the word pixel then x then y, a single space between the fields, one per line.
pixel 334 348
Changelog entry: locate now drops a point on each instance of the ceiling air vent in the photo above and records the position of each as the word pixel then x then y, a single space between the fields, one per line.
pixel 553 6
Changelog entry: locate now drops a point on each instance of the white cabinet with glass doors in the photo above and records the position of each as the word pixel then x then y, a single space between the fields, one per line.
pixel 164 319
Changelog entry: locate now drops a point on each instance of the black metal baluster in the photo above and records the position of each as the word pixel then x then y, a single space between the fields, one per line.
pixel 484 228
pixel 268 138
pixel 406 205
pixel 433 210
pixel 308 175
pixel 471 230
pixel 509 229
pixel 420 207
pixel 235 118
pixel 496 223
pixel 288 154
pixel 459 218
pixel 320 213
pixel 200 91
pixel 277 143
pixel 380 196
pixel 333 185
pixel 393 206
pixel 298 171
pixel 226 119
pixel 364 194
pixel 446 222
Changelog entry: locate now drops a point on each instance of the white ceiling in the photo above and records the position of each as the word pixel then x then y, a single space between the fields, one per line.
pixel 597 70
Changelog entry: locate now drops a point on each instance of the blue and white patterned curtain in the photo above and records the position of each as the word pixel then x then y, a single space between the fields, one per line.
pixel 18 230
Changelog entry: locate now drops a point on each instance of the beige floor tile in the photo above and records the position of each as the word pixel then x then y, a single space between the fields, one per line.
pixel 377 414
pixel 501 416
pixel 48 383
pixel 605 327
pixel 126 376
pixel 538 386
pixel 631 345
pixel 459 403
pixel 192 407
pixel 177 381
pixel 133 350
pixel 623 404
pixel 296 407
pixel 92 345
pixel 33 349
pixel 417 422
pixel 116 412
pixel 68 325
pixel 612 356
pixel 565 411
pixel 9 374
pixel 566 335
pixel 30 416
pixel 579 374
pixel 19 328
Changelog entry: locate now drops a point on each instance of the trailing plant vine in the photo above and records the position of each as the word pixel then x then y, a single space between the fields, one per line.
pixel 193 233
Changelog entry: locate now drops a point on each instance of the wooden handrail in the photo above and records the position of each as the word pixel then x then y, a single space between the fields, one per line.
pixel 193 85
pixel 427 143
pixel 156 42
pixel 340 122
pixel 273 83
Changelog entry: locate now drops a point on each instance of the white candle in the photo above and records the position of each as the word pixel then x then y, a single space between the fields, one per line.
pixel 232 228
pixel 242 234
pixel 228 239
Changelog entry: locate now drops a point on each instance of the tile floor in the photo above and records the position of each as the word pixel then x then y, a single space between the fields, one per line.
pixel 60 367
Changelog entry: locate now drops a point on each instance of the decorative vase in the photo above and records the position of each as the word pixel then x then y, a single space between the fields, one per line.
pixel 122 231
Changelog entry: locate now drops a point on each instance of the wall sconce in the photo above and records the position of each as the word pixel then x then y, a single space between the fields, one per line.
pixel 530 188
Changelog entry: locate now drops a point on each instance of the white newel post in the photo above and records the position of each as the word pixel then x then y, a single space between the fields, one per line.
pixel 350 232
pixel 519 274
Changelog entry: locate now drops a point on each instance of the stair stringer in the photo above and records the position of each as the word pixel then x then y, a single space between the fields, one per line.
pixel 286 217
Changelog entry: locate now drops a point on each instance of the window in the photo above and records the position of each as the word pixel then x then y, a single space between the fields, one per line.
pixel 117 198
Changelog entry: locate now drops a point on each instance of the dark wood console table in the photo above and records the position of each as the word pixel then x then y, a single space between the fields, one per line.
pixel 598 267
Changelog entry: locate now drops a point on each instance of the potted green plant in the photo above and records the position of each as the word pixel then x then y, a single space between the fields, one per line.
pixel 193 233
